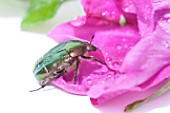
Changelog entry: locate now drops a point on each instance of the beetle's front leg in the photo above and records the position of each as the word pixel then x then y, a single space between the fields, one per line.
pixel 92 58
pixel 75 72
pixel 95 59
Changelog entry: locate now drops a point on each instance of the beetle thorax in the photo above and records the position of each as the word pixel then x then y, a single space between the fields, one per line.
pixel 78 51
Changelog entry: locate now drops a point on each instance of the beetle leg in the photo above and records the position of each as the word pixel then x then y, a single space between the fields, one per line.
pixel 95 59
pixel 46 70
pixel 37 89
pixel 75 72
pixel 57 74
pixel 92 58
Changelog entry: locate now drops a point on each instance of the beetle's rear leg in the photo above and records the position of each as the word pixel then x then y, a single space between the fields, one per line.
pixel 75 72
pixel 93 58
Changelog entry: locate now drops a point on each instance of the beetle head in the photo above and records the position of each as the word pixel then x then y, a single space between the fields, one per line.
pixel 91 47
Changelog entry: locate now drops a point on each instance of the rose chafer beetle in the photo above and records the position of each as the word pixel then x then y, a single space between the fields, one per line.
pixel 62 59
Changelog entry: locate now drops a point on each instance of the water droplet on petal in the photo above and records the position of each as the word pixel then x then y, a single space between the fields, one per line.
pixel 89 81
pixel 146 18
pixel 158 2
pixel 167 31
pixel 119 47
pixel 121 60
pixel 116 65
pixel 88 77
pixel 124 39
pixel 167 44
pixel 126 9
pixel 116 76
pixel 167 16
pixel 105 13
pixel 168 21
pixel 147 6
pixel 109 75
pixel 108 59
pixel 160 23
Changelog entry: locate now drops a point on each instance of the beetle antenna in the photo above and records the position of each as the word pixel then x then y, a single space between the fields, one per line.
pixel 38 88
pixel 91 39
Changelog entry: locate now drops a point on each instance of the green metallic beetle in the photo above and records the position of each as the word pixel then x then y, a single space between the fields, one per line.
pixel 62 59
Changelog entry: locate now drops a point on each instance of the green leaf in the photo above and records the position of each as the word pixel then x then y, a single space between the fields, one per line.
pixel 134 105
pixel 40 10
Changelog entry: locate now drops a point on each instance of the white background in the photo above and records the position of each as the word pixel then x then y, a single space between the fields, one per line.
pixel 18 52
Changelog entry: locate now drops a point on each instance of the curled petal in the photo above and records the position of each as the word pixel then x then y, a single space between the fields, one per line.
pixel 149 52
pixel 109 10
pixel 144 11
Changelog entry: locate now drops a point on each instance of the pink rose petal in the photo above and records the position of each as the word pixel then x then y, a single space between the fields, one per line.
pixel 145 13
pixel 144 62
pixel 99 8
pixel 149 52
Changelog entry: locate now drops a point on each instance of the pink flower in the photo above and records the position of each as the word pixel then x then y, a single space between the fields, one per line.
pixel 134 37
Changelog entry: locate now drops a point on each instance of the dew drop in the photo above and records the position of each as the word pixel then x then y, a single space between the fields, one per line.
pixel 116 65
pixel 121 60
pixel 103 14
pixel 168 21
pixel 109 75
pixel 108 59
pixel 88 77
pixel 124 39
pixel 147 6
pixel 167 16
pixel 160 23
pixel 89 81
pixel 146 18
pixel 126 9
pixel 167 31
pixel 167 45
pixel 113 13
pixel 119 47
pixel 158 2
pixel 116 76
